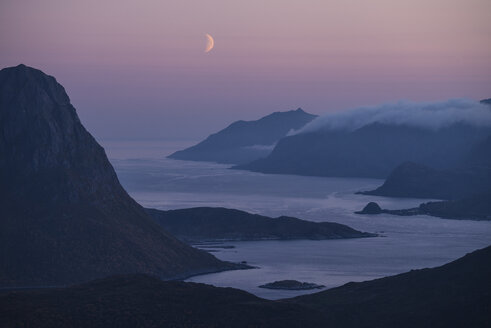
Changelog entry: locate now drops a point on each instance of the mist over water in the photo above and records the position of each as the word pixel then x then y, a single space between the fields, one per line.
pixel 406 243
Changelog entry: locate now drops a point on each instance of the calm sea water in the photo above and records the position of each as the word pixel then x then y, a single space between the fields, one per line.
pixel 407 242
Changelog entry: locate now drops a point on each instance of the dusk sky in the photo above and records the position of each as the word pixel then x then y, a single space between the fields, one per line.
pixel 138 69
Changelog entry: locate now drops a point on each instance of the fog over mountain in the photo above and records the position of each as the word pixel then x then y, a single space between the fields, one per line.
pixel 372 141
pixel 429 115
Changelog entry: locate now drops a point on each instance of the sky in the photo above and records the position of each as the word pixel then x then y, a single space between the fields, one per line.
pixel 138 70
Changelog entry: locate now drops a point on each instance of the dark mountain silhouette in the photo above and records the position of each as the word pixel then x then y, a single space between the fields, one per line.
pixel 420 181
pixel 208 224
pixel 245 141
pixel 371 151
pixel 64 216
pixel 467 188
pixel 475 207
pixel 457 294
pixel 143 301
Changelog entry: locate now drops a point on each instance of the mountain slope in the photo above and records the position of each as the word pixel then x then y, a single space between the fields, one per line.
pixel 457 294
pixel 245 141
pixel 419 181
pixel 65 217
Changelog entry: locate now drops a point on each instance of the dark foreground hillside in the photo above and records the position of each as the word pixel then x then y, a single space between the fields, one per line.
pixel 457 294
pixel 143 301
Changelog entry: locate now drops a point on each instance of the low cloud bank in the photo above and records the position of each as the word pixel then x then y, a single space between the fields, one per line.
pixel 430 115
pixel 261 147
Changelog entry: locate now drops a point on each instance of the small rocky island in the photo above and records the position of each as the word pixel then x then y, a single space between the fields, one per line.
pixel 371 208
pixel 291 285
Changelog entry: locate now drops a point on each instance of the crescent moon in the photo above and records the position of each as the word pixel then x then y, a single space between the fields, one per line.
pixel 210 43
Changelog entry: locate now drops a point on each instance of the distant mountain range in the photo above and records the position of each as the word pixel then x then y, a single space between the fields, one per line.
pixel 64 216
pixel 456 294
pixel 371 151
pixel 202 224
pixel 245 141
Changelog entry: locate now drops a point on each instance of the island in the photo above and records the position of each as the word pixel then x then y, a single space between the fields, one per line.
pixel 205 224
pixel 291 285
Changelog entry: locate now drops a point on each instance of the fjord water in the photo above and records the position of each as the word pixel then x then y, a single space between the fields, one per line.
pixel 405 243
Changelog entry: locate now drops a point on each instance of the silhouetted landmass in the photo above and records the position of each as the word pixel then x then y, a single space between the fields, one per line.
pixel 477 207
pixel 371 151
pixel 291 285
pixel 64 216
pixel 486 101
pixel 472 176
pixel 467 187
pixel 419 181
pixel 371 208
pixel 245 141
pixel 143 301
pixel 212 224
pixel 457 294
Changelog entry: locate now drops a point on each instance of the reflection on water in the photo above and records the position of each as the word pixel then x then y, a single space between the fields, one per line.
pixel 408 242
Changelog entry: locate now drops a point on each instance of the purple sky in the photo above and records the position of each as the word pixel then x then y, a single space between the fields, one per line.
pixel 137 69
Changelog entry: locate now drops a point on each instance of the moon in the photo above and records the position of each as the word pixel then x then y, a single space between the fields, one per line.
pixel 210 43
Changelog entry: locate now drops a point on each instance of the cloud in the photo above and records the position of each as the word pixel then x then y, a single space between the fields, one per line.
pixel 261 147
pixel 430 115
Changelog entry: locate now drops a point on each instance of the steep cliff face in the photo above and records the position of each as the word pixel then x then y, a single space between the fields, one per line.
pixel 64 215
pixel 46 152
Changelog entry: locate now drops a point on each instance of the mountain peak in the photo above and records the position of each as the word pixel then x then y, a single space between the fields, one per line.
pixel 64 212
pixel 44 147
